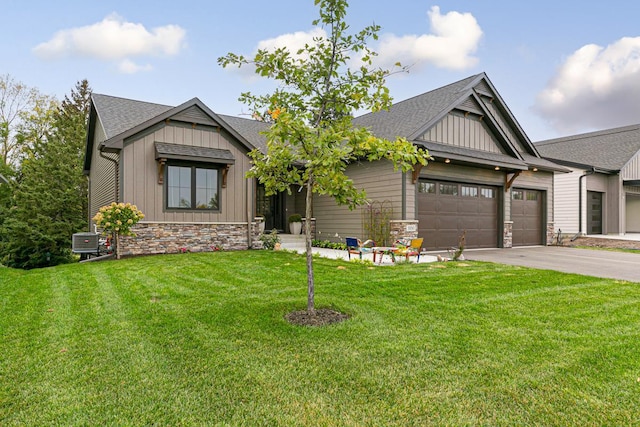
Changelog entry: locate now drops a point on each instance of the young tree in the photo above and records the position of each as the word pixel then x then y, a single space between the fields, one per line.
pixel 50 196
pixel 312 140
pixel 16 99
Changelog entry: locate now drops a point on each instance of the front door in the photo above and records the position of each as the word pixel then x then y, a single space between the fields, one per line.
pixel 272 208
pixel 594 212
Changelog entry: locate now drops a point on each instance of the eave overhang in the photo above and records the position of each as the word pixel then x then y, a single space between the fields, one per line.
pixel 482 159
pixel 166 151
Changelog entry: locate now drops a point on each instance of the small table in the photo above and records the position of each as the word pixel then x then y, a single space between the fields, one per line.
pixel 384 250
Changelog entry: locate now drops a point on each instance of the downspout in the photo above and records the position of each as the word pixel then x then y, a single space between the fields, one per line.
pixel 117 169
pixel 591 172
pixel 89 202
pixel 249 214
pixel 404 195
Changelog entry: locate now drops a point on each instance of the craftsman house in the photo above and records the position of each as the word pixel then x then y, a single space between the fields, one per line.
pixel 602 195
pixel 185 167
pixel 486 178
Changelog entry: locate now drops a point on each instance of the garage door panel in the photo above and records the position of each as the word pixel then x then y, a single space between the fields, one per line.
pixel 526 213
pixel 451 208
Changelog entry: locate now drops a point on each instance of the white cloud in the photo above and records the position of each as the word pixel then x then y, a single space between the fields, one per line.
pixel 113 39
pixel 293 41
pixel 127 66
pixel 596 87
pixel 453 40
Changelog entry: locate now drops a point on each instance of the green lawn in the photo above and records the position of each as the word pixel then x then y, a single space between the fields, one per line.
pixel 200 339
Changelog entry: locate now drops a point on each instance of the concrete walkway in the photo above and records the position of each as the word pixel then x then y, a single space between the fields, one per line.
pixel 591 262
pixel 598 263
pixel 297 244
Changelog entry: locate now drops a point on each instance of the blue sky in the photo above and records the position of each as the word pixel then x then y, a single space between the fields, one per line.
pixel 563 67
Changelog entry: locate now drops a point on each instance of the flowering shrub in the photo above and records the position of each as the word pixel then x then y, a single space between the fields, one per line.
pixel 118 218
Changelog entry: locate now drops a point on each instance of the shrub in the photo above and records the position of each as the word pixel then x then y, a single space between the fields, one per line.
pixel 269 240
pixel 118 219
pixel 295 218
pixel 328 244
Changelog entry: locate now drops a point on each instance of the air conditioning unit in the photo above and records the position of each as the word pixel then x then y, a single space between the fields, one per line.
pixel 85 243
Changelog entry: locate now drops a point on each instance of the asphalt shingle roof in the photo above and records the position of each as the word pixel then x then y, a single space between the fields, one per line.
pixel 249 129
pixel 189 152
pixel 407 117
pixel 607 149
pixel 404 119
pixel 118 115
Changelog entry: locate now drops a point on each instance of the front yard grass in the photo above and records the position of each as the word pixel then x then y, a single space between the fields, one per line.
pixel 201 339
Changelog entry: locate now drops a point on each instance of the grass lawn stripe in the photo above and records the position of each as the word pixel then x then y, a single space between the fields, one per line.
pixel 202 339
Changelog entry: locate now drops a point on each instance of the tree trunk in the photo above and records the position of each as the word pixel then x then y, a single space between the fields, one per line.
pixel 117 239
pixel 310 285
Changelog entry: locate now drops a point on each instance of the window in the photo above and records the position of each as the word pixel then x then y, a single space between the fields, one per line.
pixel 488 193
pixel 427 187
pixel 517 195
pixel 449 189
pixel 469 191
pixel 193 187
pixel 532 195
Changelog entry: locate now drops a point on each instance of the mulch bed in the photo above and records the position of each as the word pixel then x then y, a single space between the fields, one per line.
pixel 319 317
pixel 598 242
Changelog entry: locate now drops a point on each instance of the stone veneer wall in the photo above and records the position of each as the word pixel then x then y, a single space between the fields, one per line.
pixel 507 238
pixel 550 233
pixel 403 229
pixel 164 238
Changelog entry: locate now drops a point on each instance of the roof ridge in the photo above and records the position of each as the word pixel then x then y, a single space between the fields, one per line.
pixel 131 100
pixel 611 131
pixel 441 88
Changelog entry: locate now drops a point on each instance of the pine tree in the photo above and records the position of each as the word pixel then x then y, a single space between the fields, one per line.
pixel 50 196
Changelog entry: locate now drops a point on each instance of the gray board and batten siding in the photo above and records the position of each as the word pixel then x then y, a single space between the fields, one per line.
pixel 132 129
pixel 140 180
pixel 605 162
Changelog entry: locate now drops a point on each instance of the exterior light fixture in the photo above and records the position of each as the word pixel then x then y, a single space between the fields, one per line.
pixel 447 160
pixel 535 169
pixel 497 168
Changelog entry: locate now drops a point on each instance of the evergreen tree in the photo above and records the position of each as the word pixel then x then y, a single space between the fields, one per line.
pixel 49 201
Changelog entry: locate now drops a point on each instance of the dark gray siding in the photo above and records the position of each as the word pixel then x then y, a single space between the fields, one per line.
pixel 382 184
pixel 102 177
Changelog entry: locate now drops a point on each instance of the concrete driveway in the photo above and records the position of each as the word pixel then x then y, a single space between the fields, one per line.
pixel 599 263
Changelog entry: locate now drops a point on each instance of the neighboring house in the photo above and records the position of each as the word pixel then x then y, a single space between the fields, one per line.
pixel 185 167
pixel 602 195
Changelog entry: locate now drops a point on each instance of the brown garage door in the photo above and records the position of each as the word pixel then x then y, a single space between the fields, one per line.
pixel 526 213
pixel 446 209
